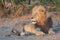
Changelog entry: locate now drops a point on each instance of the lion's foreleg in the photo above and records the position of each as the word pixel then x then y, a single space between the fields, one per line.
pixel 32 29
pixel 39 33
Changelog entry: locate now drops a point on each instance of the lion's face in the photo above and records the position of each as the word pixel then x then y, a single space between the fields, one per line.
pixel 38 14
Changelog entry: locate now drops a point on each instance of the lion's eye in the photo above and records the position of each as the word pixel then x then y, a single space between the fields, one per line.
pixel 42 10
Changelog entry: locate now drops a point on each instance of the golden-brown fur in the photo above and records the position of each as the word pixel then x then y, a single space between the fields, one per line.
pixel 43 18
pixel 31 29
pixel 27 29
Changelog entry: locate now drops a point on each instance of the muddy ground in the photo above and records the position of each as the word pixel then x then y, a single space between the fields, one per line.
pixel 6 25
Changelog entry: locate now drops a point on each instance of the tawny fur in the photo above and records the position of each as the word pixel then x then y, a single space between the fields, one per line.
pixel 31 28
pixel 43 18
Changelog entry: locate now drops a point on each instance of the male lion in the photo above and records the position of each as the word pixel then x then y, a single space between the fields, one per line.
pixel 40 19
pixel 43 19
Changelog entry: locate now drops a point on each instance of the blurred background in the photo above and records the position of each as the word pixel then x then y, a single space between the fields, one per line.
pixel 16 8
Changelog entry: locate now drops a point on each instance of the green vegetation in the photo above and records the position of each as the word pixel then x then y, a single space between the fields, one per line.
pixel 27 5
pixel 57 3
pixel 43 2
pixel 19 1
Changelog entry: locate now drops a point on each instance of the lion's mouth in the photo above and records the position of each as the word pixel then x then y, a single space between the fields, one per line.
pixel 33 21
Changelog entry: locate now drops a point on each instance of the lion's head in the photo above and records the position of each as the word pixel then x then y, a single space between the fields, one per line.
pixel 39 14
